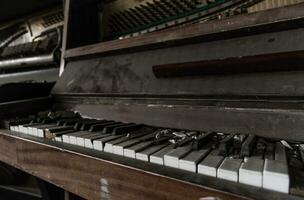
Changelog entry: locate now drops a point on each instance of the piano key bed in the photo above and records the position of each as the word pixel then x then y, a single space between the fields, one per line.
pixel 248 160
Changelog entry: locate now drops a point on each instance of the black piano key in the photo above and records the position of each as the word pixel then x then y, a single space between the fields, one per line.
pixel 62 114
pixel 258 150
pixel 68 122
pixel 15 122
pixel 81 122
pixel 202 140
pixel 238 141
pixel 248 146
pixel 162 140
pixel 225 145
pixel 269 151
pixel 100 127
pixel 126 129
pixel 140 132
pixel 183 142
pixel 49 121
pixel 89 124
pixel 110 128
pixel 301 152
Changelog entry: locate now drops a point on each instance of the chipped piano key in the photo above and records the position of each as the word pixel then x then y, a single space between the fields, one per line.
pixel 190 161
pixel 210 165
pixel 99 143
pixel 229 169
pixel 251 172
pixel 171 159
pixel 158 157
pixel 144 155
pixel 276 171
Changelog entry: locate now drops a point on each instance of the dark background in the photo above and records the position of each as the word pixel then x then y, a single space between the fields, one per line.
pixel 11 9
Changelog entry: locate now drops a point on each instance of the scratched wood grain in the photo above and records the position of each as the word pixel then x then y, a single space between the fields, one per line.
pixel 96 179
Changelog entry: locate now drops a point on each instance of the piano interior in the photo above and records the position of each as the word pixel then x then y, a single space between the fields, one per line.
pixel 157 99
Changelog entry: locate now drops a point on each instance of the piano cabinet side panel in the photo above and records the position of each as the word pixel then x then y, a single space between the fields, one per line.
pixel 93 178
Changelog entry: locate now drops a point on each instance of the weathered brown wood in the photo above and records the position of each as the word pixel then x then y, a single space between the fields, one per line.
pixel 97 175
pixel 287 61
pixel 94 178
pixel 8 150
pixel 265 21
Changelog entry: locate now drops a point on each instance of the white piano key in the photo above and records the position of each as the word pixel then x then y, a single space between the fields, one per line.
pixel 131 151
pixel 16 128
pixel 229 169
pixel 58 139
pixel 251 172
pixel 145 154
pixel 88 139
pixel 66 138
pixel 99 143
pixel 73 136
pixel 144 135
pixel 80 139
pixel 40 133
pixel 190 161
pixel 21 130
pixel 109 146
pixel 119 148
pixel 276 171
pixel 12 128
pixel 30 131
pixel 275 176
pixel 171 159
pixel 210 165
pixel 158 157
pixel 25 127
pixel 39 130
pixel 88 142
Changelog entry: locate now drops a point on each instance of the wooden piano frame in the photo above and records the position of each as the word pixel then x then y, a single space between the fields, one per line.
pixel 98 175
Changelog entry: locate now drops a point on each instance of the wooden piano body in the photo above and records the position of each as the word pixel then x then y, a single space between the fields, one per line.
pixel 164 79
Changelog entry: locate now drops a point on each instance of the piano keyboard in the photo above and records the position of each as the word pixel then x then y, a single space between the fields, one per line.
pixel 246 159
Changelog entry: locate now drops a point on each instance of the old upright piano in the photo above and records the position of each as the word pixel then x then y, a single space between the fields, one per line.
pixel 167 99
